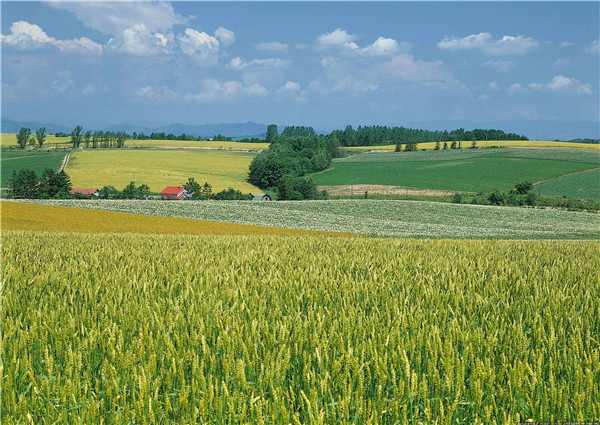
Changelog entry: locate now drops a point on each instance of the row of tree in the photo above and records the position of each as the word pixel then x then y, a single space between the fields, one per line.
pixel 24 137
pixel 205 192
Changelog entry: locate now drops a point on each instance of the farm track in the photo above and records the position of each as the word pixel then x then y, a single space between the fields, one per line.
pixel 64 162
pixel 565 175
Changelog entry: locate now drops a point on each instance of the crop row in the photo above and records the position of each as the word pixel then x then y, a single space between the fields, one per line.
pixel 378 217
pixel 223 329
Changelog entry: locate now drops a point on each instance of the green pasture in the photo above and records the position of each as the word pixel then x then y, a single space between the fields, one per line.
pixel 34 160
pixel 584 185
pixel 473 170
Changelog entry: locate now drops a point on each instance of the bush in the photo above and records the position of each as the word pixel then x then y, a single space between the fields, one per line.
pixel 457 198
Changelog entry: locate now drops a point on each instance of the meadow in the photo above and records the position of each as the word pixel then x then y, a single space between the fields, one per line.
pixel 34 160
pixel 160 168
pixel 488 144
pixel 10 140
pixel 471 170
pixel 584 185
pixel 419 219
pixel 269 329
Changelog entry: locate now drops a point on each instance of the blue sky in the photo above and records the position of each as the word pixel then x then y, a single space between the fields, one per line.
pixel 319 64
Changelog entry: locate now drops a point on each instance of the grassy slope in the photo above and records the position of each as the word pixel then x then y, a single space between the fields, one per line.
pixel 380 217
pixel 480 170
pixel 159 168
pixel 585 185
pixel 35 160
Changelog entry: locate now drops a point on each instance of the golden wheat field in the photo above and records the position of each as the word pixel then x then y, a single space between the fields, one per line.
pixel 221 329
pixel 25 216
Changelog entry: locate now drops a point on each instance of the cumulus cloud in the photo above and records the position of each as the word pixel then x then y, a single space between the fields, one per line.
pixel 64 82
pixel 565 44
pixel 157 93
pixel 594 48
pixel 503 66
pixel 225 36
pixel 516 87
pixel 562 83
pixel 239 64
pixel 214 90
pixel 493 85
pixel 113 18
pixel 291 86
pixel 203 48
pixel 140 41
pixel 348 85
pixel 26 36
pixel 407 68
pixel 561 63
pixel 507 45
pixel 272 46
pixel 341 40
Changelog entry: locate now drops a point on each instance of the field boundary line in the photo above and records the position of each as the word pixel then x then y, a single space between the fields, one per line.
pixel 565 175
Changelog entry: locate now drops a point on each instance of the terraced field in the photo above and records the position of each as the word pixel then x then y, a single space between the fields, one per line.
pixel 160 168
pixel 375 217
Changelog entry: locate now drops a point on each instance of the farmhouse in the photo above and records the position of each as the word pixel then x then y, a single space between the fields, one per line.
pixel 261 197
pixel 175 192
pixel 90 192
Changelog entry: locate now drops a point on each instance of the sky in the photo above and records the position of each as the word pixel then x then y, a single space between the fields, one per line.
pixel 299 63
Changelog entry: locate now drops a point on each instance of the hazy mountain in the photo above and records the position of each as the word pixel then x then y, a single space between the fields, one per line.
pixel 11 126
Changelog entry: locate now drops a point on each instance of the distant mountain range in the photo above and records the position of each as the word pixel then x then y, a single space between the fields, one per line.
pixel 239 130
pixel 533 129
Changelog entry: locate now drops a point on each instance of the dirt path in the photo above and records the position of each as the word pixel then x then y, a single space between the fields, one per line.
pixel 378 189
pixel 565 175
pixel 65 161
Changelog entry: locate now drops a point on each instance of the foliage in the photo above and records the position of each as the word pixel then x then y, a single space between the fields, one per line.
pixel 24 184
pixel 109 192
pixel 297 330
pixel 40 136
pixel 23 137
pixel 193 187
pixel 232 195
pixel 76 136
pixel 271 133
pixel 132 192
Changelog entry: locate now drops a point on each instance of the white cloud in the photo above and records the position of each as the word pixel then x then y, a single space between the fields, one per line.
pixel 516 87
pixel 64 82
pixel 225 36
pixel 535 86
pixel 340 39
pixel 348 85
pixel 407 68
pixel 140 41
pixel 291 86
pixel 594 48
pixel 203 48
pixel 239 64
pixel 507 45
pixel 562 83
pixel 26 36
pixel 561 63
pixel 214 90
pixel 113 18
pixel 484 97
pixel 272 46
pixel 503 66
pixel 493 85
pixel 565 44
pixel 157 93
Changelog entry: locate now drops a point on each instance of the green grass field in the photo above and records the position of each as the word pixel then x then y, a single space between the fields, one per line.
pixel 474 170
pixel 584 185
pixel 160 168
pixel 35 160
pixel 420 219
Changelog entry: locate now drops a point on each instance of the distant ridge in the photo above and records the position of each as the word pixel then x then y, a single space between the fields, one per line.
pixel 237 130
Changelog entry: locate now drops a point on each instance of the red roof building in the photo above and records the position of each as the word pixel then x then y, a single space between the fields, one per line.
pixel 175 192
pixel 94 192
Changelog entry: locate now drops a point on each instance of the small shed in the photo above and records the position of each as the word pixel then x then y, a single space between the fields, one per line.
pixel 261 197
pixel 175 192
pixel 89 192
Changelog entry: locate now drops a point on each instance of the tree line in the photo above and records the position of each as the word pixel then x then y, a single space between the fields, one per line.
pixel 25 184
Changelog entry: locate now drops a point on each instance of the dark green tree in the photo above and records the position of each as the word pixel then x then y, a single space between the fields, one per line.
pixel 193 187
pixel 23 137
pixel 76 136
pixel 40 136
pixel 271 133
pixel 130 191
pixel 86 138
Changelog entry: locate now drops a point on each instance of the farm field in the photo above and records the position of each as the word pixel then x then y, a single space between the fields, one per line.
pixel 160 168
pixel 10 139
pixel 25 216
pixel 165 328
pixel 35 160
pixel 196 144
pixel 474 170
pixel 487 144
pixel 584 185
pixel 419 219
